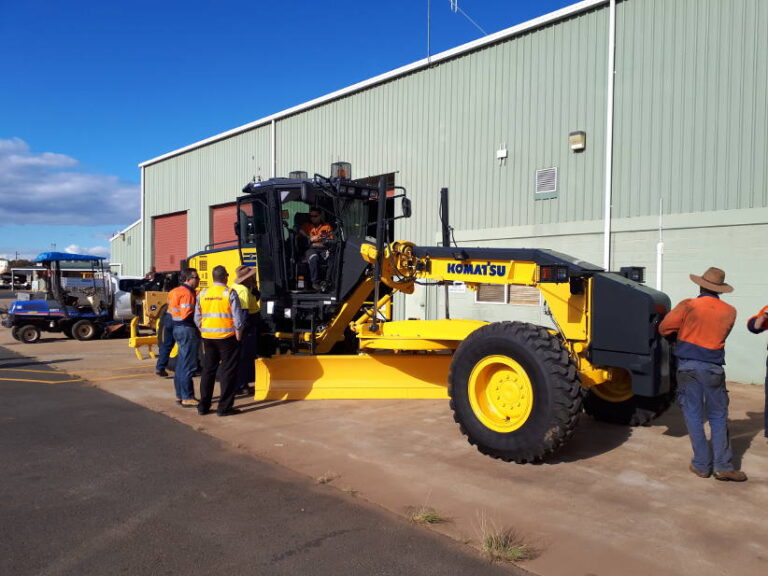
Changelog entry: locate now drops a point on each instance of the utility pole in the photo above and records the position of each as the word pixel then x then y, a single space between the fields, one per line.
pixel 429 26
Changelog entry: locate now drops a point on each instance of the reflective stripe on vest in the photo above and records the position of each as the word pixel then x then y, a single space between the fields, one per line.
pixel 216 320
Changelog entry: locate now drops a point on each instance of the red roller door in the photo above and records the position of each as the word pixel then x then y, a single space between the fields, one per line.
pixel 223 220
pixel 169 241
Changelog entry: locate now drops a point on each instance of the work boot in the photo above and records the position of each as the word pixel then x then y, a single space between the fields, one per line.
pixel 731 476
pixel 161 373
pixel 189 403
pixel 699 473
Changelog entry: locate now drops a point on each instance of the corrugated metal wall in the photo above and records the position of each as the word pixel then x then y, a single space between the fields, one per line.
pixel 442 127
pixel 125 249
pixel 691 111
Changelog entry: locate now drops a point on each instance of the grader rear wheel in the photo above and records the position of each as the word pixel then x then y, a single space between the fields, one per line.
pixel 514 391
pixel 614 402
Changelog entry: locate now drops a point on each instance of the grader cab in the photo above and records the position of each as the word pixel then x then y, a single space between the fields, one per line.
pixel 516 389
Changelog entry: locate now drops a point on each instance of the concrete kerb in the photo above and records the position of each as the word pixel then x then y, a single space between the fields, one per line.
pixel 614 501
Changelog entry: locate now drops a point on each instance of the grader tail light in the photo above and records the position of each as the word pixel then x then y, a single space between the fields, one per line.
pixel 553 274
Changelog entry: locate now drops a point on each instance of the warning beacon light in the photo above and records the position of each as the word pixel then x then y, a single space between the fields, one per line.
pixel 342 170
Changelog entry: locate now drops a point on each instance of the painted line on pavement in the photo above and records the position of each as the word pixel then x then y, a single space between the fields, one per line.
pixel 41 381
pixel 33 371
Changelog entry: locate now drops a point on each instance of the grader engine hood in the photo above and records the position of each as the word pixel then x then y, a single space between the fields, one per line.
pixel 623 333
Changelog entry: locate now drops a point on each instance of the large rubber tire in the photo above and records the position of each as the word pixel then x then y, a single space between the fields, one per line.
pixel 28 334
pixel 634 411
pixel 84 330
pixel 66 329
pixel 514 391
pixel 15 332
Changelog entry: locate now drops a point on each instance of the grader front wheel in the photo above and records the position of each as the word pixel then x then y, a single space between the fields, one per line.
pixel 514 391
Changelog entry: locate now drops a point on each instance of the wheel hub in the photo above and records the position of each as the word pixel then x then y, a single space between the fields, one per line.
pixel 500 393
pixel 617 389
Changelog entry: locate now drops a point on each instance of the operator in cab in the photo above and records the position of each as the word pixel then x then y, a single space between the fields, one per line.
pixel 320 234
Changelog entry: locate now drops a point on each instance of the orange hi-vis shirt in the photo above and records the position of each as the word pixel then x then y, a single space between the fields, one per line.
pixel 751 322
pixel 702 325
pixel 320 233
pixel 181 304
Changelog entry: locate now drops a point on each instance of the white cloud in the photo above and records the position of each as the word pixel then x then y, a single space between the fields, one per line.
pixel 43 188
pixel 92 251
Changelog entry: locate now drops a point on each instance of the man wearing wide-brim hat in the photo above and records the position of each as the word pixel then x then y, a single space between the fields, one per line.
pixel 702 324
pixel 245 286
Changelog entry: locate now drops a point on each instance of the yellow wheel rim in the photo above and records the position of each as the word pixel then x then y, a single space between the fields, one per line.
pixel 500 393
pixel 617 389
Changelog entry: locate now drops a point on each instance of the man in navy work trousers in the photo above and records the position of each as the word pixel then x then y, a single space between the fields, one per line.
pixel 702 324
pixel 164 353
pixel 220 319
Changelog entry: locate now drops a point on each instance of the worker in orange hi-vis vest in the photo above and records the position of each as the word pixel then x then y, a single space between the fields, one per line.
pixel 757 324
pixel 181 307
pixel 220 318
pixel 320 235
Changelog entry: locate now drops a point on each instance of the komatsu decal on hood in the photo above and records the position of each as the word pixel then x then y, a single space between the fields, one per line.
pixel 477 269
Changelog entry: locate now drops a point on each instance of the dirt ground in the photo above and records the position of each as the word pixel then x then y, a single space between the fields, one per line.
pixel 615 501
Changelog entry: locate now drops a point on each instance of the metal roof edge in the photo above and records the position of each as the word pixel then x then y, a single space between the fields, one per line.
pixel 516 30
pixel 124 230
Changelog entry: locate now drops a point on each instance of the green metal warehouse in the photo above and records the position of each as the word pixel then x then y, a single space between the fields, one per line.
pixel 660 164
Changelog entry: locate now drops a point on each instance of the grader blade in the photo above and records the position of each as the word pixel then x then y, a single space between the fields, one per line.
pixel 365 376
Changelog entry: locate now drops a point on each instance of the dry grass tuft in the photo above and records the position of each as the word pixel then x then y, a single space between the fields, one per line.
pixel 326 478
pixel 426 515
pixel 504 544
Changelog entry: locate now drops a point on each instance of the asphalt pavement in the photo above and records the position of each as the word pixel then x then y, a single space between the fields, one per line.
pixel 91 483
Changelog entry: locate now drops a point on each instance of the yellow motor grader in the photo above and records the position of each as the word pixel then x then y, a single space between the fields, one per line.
pixel 516 389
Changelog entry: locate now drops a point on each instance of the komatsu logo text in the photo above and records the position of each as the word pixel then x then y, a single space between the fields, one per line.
pixel 477 269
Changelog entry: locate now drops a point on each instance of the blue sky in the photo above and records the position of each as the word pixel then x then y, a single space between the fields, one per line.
pixel 91 88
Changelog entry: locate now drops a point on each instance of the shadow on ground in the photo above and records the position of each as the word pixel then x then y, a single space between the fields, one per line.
pixel 20 362
pixel 590 439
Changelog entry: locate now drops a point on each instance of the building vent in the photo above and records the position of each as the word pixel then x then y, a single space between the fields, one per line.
pixel 546 183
